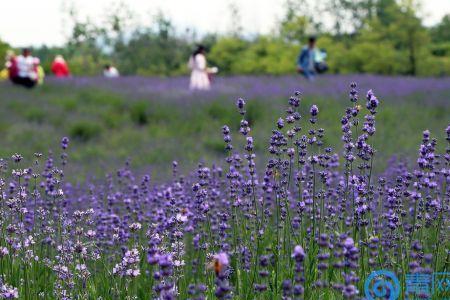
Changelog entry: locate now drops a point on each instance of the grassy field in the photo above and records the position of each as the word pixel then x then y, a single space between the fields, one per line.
pixel 153 121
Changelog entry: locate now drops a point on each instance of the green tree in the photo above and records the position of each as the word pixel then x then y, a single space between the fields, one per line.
pixel 226 52
pixel 154 51
pixel 441 32
pixel 398 31
pixel 338 57
pixel 408 33
pixel 84 46
pixel 266 55
pixel 297 23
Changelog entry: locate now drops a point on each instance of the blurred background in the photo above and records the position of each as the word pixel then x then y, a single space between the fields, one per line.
pixel 401 49
pixel 390 37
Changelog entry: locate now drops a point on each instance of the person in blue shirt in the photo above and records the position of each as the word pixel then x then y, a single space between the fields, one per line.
pixel 306 59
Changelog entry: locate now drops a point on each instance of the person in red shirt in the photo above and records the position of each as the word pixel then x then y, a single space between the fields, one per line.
pixel 11 65
pixel 59 67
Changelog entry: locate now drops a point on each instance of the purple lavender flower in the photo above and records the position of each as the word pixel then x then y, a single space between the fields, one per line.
pixel 8 292
pixel 221 264
pixel 64 143
pixel 280 123
pixel 299 253
pixel 314 110
pixel 372 102
pixel 240 103
pixel 17 157
pixel 353 93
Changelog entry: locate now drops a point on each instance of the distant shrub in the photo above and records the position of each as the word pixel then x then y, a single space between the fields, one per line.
pixel 68 104
pixel 139 113
pixel 434 66
pixel 34 114
pixel 214 144
pixel 219 111
pixel 112 119
pixel 254 112
pixel 100 97
pixel 441 49
pixel 224 53
pixel 84 130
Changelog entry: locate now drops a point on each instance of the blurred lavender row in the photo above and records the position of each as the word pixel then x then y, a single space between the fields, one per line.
pixel 329 86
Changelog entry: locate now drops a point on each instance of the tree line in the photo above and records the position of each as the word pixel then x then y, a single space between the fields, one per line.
pixel 362 36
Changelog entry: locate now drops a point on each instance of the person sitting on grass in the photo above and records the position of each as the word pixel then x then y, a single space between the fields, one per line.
pixel 110 72
pixel 59 67
pixel 26 70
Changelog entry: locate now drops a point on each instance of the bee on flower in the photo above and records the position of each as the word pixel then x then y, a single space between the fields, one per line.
pixel 219 263
pixel 182 216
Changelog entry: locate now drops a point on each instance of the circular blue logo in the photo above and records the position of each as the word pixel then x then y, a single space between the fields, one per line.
pixel 382 284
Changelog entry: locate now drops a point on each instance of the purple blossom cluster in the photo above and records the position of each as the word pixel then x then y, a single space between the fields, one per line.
pixel 312 222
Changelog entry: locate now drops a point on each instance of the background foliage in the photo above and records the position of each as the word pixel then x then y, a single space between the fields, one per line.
pixel 365 36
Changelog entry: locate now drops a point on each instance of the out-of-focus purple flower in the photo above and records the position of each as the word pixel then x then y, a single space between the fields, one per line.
pixel 244 128
pixel 349 243
pixel 8 292
pixel 353 93
pixel 280 123
pixel 64 143
pixel 221 259
pixel 299 253
pixel 295 101
pixel 17 157
pixel 286 285
pixel 221 263
pixel 249 146
pixel 3 252
pixel 350 291
pixel 225 130
pixel 240 103
pixel 314 110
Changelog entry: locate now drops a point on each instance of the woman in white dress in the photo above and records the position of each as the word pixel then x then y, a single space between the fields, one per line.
pixel 199 73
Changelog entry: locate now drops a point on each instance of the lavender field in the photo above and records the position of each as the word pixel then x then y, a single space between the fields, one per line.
pixel 262 188
pixel 153 121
